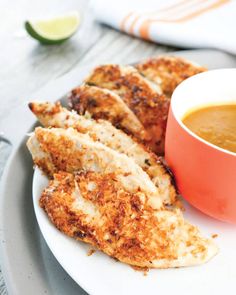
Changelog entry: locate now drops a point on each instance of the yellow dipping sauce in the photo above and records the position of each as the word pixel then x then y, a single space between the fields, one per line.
pixel 216 124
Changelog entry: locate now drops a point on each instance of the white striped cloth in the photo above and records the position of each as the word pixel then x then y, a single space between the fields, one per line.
pixel 183 23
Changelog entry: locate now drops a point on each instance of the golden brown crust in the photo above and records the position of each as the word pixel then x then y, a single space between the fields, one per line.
pixel 94 208
pixel 168 71
pixel 67 150
pixel 55 115
pixel 141 97
pixel 104 104
pixel 44 108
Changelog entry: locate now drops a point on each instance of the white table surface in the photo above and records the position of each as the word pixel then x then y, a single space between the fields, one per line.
pixel 26 66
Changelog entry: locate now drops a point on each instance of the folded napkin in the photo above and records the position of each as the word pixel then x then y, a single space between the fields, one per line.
pixel 182 23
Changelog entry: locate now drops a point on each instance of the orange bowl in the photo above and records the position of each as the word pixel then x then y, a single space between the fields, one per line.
pixel 205 174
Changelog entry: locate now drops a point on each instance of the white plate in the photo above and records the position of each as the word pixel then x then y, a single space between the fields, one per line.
pixel 99 274
pixel 26 261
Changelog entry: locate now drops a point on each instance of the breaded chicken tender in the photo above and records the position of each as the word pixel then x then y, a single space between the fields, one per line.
pixel 95 208
pixel 54 115
pixel 67 150
pixel 143 97
pixel 104 104
pixel 168 71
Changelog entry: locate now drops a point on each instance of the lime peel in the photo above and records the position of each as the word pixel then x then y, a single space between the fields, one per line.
pixel 55 30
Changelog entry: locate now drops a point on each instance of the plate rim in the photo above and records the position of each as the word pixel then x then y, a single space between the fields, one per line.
pixel 5 265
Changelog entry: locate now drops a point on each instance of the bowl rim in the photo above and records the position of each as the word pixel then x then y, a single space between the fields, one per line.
pixel 179 120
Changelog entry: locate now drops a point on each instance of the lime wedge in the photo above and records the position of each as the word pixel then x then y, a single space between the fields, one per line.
pixel 54 31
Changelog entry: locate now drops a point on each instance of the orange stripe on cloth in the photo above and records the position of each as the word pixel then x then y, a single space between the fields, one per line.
pixel 124 21
pixel 145 26
pixel 164 9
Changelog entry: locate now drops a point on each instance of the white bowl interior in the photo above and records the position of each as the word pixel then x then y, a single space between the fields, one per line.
pixel 211 87
pixel 208 88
